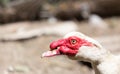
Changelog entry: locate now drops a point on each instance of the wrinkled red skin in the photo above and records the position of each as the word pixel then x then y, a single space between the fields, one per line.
pixel 66 47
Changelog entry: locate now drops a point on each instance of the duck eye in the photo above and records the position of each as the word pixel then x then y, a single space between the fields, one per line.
pixel 73 41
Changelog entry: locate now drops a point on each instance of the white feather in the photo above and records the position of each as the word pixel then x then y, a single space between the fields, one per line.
pixel 101 59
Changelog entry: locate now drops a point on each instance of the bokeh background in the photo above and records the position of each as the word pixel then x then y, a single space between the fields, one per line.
pixel 27 27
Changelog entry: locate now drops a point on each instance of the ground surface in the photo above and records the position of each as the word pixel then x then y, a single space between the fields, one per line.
pixel 24 57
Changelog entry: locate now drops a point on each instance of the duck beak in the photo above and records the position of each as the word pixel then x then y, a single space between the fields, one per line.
pixel 54 48
pixel 50 53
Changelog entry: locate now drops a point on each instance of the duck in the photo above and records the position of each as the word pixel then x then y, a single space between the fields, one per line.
pixel 77 46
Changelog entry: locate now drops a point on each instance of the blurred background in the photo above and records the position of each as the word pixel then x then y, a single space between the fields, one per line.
pixel 27 27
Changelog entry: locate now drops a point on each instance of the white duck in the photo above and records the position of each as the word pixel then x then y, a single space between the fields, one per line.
pixel 77 46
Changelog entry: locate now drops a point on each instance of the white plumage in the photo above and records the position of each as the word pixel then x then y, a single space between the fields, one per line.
pixel 101 59
pixel 80 47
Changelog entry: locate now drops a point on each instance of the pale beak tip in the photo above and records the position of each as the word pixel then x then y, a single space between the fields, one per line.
pixel 43 55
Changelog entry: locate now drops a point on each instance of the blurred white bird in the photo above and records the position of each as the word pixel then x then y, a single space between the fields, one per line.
pixel 97 22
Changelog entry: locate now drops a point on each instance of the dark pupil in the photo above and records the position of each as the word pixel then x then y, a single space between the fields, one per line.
pixel 73 41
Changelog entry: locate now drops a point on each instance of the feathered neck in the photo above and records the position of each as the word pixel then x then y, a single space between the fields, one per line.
pixel 101 59
pixel 95 56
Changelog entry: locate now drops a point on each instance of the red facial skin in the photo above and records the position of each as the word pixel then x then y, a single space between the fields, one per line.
pixel 69 46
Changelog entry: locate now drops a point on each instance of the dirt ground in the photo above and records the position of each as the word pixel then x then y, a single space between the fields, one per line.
pixel 24 57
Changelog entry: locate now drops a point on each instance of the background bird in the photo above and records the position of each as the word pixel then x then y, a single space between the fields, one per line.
pixel 77 46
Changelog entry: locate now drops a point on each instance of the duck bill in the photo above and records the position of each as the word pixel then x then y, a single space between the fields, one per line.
pixel 55 48
pixel 50 53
